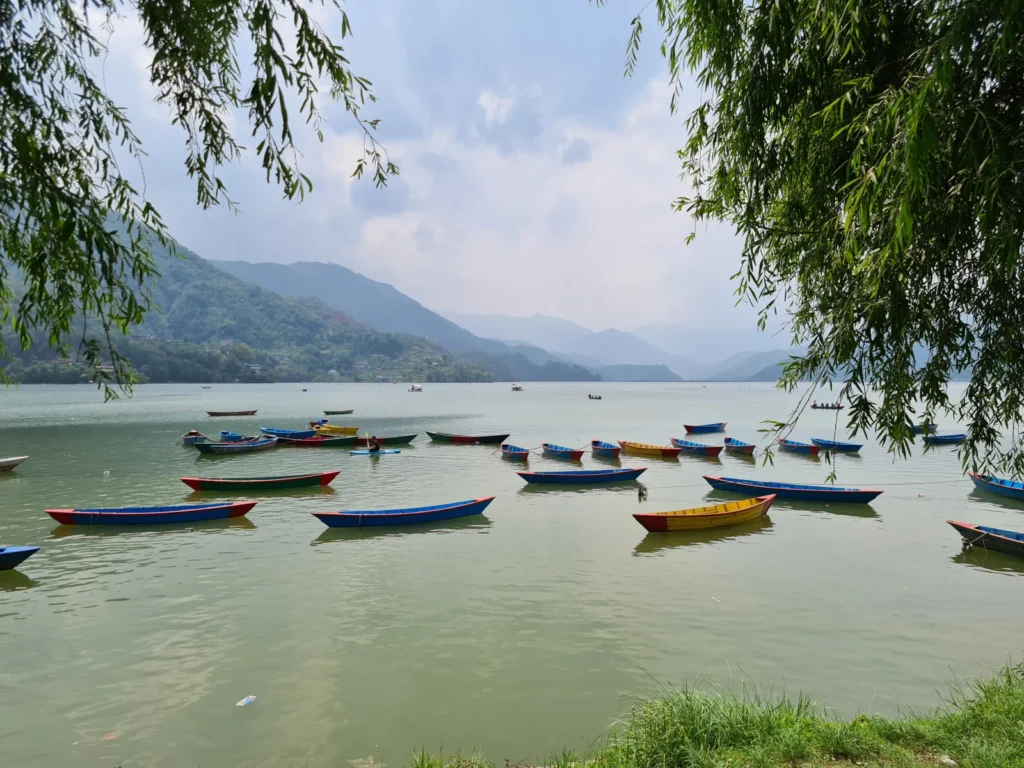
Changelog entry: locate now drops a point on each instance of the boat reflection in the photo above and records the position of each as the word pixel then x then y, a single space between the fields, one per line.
pixel 210 526
pixel 984 497
pixel 287 493
pixel 830 507
pixel 627 486
pixel 701 458
pixel 657 543
pixel 611 461
pixel 15 581
pixel 989 560
pixel 474 523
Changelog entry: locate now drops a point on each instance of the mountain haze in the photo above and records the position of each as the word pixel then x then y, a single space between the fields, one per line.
pixel 540 330
pixel 614 347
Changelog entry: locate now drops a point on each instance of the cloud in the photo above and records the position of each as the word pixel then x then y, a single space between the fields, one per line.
pixel 578 151
pixel 495 107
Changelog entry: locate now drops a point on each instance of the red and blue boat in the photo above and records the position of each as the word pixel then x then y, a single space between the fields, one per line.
pixel 411 516
pixel 245 446
pixel 604 450
pixel 444 437
pixel 561 452
pixel 696 449
pixel 583 476
pixel 702 429
pixel 181 513
pixel 732 445
pixel 796 491
pixel 794 446
pixel 294 434
pixel 194 436
pixel 12 557
pixel 319 441
pixel 1011 488
pixel 509 451
pixel 836 446
pixel 274 483
pixel 945 439
pixel 1000 539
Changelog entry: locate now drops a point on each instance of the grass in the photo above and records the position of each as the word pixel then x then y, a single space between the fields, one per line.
pixel 980 725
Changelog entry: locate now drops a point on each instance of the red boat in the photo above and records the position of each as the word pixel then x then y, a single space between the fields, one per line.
pixel 231 413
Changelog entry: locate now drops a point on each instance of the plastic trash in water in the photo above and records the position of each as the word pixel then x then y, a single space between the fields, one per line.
pixel 246 701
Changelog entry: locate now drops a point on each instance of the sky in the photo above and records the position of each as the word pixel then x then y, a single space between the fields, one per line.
pixel 534 176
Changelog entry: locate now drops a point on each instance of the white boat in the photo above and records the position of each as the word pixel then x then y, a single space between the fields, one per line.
pixel 9 464
pixel 516 387
pixel 416 388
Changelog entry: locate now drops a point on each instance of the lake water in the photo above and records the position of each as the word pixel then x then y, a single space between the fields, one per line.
pixel 517 633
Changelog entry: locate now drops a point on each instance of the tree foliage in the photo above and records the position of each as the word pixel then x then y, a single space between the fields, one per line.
pixel 75 233
pixel 870 155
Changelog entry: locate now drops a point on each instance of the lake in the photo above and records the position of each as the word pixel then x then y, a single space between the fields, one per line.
pixel 517 633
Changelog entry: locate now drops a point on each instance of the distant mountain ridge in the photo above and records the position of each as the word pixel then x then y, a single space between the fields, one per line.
pixel 539 330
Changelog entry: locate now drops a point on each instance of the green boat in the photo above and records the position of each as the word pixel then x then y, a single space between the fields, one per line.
pixel 278 482
pixel 320 441
pixel 338 413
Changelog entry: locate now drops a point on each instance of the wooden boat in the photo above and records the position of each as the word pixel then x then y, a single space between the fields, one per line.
pixel 245 446
pixel 711 516
pixel 232 437
pixel 827 407
pixel 732 445
pixel 593 397
pixel 509 451
pixel 696 449
pixel 583 476
pixel 799 491
pixel 272 483
pixel 794 446
pixel 334 429
pixel 366 452
pixel 12 557
pixel 945 439
pixel 338 413
pixel 604 450
pixel 986 537
pixel 194 436
pixel 410 516
pixel 1010 488
pixel 231 413
pixel 416 388
pixel 182 513
pixel 393 440
pixel 443 437
pixel 561 452
pixel 319 441
pixel 836 446
pixel 644 449
pixel 6 465
pixel 701 429
pixel 517 387
pixel 925 429
pixel 293 433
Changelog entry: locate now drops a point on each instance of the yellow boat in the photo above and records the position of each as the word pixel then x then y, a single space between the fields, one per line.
pixel 664 451
pixel 333 429
pixel 712 516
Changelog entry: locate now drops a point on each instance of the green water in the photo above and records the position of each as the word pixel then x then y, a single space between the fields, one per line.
pixel 518 632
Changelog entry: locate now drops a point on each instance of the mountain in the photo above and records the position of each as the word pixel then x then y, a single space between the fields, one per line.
pixel 540 330
pixel 614 347
pixel 636 373
pixel 743 366
pixel 708 345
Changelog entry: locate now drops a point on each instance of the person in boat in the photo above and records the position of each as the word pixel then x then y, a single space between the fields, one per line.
pixel 372 445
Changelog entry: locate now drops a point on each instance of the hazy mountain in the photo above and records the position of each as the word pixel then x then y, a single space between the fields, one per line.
pixel 745 365
pixel 540 330
pixel 712 345
pixel 636 373
pixel 614 347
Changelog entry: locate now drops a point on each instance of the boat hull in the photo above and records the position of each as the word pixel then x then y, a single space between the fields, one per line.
pixel 560 452
pixel 738 446
pixel 925 429
pixel 945 439
pixel 231 413
pixel 696 449
pixel 443 437
pixel 793 490
pixel 6 465
pixel 583 476
pixel 189 513
pixel 243 447
pixel 604 450
pixel 1007 488
pixel 642 449
pixel 338 413
pixel 332 429
pixel 711 516
pixel 793 447
pixel 1007 542
pixel 514 452
pixel 297 434
pixel 12 557
pixel 396 440
pixel 836 446
pixel 704 429
pixel 320 441
pixel 277 483
pixel 411 516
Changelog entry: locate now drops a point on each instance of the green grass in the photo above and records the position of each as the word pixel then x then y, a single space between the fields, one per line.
pixel 981 725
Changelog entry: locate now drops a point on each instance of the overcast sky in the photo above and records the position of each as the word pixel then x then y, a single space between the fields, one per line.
pixel 534 177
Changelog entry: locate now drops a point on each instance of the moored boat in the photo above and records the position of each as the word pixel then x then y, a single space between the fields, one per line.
pixel 604 450
pixel 710 516
pixel 231 413
pixel 732 445
pixel 319 441
pixel 339 413
pixel 986 537
pixel 795 446
pixel 181 513
pixel 925 429
pixel 194 436
pixel 826 407
pixel 798 491
pixel 416 388
pixel 333 429
pixel 509 451
pixel 12 557
pixel 583 476
pixel 444 437
pixel 701 429
pixel 292 433
pixel 232 437
pixel 696 449
pixel 272 483
pixel 517 387
pixel 561 452
pixel 836 446
pixel 1010 488
pixel 245 446
pixel 645 449
pixel 393 440
pixel 6 465
pixel 945 439
pixel 408 516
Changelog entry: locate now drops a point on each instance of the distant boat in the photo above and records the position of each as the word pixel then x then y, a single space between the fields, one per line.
pixel 1009 488
pixel 644 449
pixel 593 397
pixel 444 437
pixel 393 440
pixel 732 445
pixel 799 491
pixel 408 516
pixel 333 429
pixel 925 429
pixel 825 407
pixel 1000 539
pixel 231 413
pixel 836 446
pixel 6 465
pixel 293 433
pixel 272 483
pixel 194 436
pixel 339 413
pixel 795 446
pixel 583 476
pixel 509 451
pixel 561 452
pixel 319 441
pixel 711 516
pixel 697 449
pixel 945 439
pixel 700 429
pixel 517 387
pixel 12 557
pixel 604 450
pixel 416 388
pixel 245 446
pixel 182 513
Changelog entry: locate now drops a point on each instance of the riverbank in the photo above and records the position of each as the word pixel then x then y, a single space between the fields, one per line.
pixel 981 725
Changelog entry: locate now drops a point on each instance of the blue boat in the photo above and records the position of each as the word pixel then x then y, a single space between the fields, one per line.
pixel 793 490
pixel 294 434
pixel 836 446
pixel 410 516
pixel 697 449
pixel 794 446
pixel 700 429
pixel 365 452
pixel 12 557
pixel 945 439
pixel 181 513
pixel 232 437
pixel 243 446
pixel 999 539
pixel 1011 488
pixel 561 452
pixel 514 452
pixel 604 450
pixel 583 476
pixel 732 445
pixel 928 428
